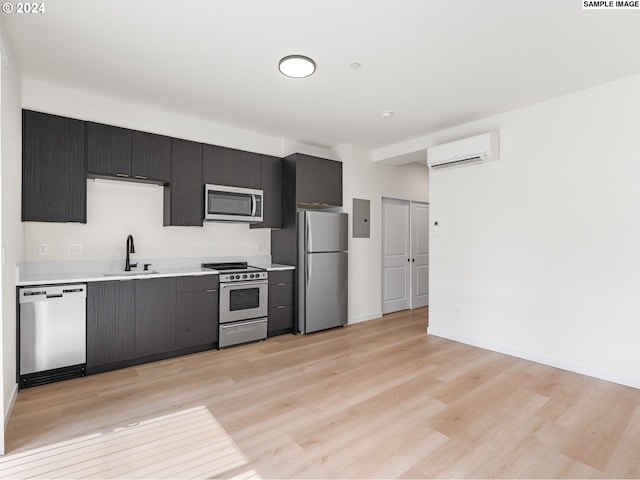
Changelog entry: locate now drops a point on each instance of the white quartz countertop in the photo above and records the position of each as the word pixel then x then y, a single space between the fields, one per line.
pixel 272 267
pixel 81 277
pixel 59 274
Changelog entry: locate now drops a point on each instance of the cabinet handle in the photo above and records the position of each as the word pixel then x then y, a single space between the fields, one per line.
pixel 281 284
pixel 122 175
pixel 211 291
pixel 141 177
pixel 281 306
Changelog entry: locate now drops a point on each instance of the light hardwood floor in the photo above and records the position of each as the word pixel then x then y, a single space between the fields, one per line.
pixel 377 399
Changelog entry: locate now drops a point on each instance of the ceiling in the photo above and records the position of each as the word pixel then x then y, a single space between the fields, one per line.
pixel 434 63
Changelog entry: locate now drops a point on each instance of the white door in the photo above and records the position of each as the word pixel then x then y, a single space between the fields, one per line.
pixel 419 255
pixel 396 263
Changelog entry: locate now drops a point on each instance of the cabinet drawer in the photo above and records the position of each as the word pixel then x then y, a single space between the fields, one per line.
pixel 281 294
pixel 281 318
pixel 281 276
pixel 198 283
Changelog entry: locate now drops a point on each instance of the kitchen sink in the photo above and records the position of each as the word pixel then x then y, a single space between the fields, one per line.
pixel 122 273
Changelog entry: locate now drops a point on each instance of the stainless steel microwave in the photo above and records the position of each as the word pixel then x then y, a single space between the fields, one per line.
pixel 232 204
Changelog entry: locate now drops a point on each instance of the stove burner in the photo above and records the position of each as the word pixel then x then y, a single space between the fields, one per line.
pixel 236 271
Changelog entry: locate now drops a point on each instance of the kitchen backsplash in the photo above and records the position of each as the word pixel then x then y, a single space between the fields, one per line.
pixel 117 209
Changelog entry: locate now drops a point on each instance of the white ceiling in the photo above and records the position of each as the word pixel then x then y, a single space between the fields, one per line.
pixel 435 63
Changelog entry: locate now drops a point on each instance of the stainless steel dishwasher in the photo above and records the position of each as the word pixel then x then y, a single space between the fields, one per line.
pixel 52 333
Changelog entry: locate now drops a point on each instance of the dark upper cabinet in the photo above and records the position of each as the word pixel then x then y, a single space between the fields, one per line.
pixel 272 190
pixel 110 323
pixel 155 316
pixel 318 180
pixel 54 181
pixel 247 170
pixel 127 154
pixel 197 311
pixel 331 182
pixel 184 197
pixel 150 157
pixel 236 168
pixel 217 165
pixel 108 150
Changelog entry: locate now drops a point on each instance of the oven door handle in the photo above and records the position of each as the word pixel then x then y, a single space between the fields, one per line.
pixel 243 284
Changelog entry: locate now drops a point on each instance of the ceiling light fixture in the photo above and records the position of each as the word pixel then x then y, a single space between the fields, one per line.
pixel 386 114
pixel 355 66
pixel 296 66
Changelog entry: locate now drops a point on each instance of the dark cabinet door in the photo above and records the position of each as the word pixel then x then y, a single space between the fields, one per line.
pixel 272 193
pixel 331 181
pixel 197 319
pixel 281 302
pixel 155 317
pixel 318 180
pixel 197 311
pixel 308 188
pixel 108 150
pixel 54 185
pixel 247 171
pixel 150 157
pixel 217 165
pixel 110 322
pixel 184 198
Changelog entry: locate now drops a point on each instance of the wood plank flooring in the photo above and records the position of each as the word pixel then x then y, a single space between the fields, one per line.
pixel 379 399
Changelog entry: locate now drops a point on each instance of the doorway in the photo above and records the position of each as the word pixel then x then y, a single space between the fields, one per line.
pixel 405 255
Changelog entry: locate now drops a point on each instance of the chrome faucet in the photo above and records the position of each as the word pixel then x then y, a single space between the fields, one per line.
pixel 130 249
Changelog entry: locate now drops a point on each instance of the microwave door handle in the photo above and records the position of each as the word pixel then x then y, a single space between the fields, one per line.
pixel 254 201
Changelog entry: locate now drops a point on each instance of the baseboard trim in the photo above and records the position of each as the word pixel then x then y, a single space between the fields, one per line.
pixel 12 402
pixel 364 318
pixel 561 363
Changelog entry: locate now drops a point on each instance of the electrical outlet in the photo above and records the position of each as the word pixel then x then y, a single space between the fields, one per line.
pixel 74 249
pixel 457 312
pixel 43 249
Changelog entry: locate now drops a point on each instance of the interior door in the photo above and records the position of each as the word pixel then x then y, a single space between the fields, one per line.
pixel 419 255
pixel 395 255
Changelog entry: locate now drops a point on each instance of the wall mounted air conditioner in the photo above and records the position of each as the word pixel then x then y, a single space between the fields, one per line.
pixel 478 149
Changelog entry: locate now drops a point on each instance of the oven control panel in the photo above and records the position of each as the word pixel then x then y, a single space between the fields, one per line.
pixel 243 277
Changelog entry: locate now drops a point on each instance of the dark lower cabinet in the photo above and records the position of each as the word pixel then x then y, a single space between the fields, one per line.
pixel 155 316
pixel 281 302
pixel 54 183
pixel 197 311
pixel 184 197
pixel 110 323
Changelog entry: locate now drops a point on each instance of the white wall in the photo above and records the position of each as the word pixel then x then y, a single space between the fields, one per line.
pixel 365 180
pixel 117 209
pixel 12 229
pixel 538 254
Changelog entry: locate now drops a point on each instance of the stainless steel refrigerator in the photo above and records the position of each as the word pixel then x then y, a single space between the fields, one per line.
pixel 322 270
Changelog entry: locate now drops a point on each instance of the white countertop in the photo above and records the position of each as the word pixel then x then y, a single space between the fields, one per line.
pixel 80 272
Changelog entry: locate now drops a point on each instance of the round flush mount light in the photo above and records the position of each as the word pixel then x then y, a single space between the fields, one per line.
pixel 355 66
pixel 296 66
pixel 386 114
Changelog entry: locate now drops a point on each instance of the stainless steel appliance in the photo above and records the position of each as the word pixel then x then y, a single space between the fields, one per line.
pixel 323 271
pixel 243 305
pixel 52 333
pixel 232 204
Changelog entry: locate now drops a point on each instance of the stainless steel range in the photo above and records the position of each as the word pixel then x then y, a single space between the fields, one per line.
pixel 243 303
